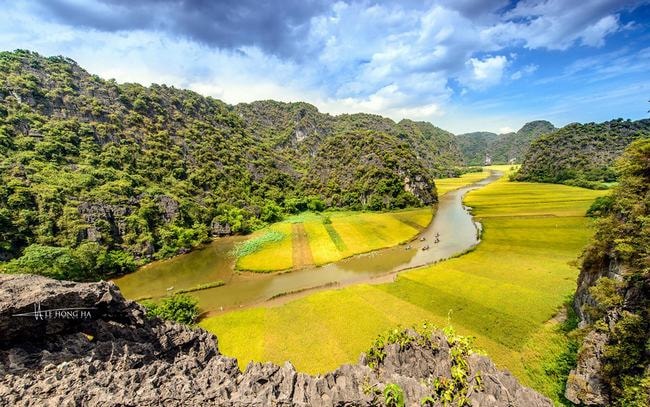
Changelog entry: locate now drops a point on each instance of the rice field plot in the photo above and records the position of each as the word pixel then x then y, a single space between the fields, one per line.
pixel 504 293
pixel 331 236
pixel 444 185
pixel 263 254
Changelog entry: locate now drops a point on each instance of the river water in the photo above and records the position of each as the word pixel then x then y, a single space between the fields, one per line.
pixel 453 222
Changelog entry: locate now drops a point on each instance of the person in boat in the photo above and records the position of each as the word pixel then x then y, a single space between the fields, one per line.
pixel 422 239
pixel 425 248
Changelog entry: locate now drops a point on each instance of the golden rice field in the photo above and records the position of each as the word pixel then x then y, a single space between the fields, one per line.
pixel 444 185
pixel 504 293
pixel 334 235
pixel 276 254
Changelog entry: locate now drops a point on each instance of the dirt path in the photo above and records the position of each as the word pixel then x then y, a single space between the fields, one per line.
pixel 301 251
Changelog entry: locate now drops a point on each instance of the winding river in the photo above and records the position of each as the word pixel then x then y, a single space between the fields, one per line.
pixel 453 222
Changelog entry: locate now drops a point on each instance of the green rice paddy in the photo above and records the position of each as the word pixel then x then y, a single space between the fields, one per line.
pixel 504 293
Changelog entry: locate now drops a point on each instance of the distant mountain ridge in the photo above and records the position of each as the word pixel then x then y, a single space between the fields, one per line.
pixel 501 148
pixel 581 154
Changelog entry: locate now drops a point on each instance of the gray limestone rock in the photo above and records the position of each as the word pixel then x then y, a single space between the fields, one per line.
pixel 119 357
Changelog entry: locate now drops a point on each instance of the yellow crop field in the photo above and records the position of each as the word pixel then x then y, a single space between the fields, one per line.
pixel 504 293
pixel 332 236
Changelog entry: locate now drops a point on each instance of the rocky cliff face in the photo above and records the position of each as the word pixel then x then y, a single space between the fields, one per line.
pixel 117 356
pixel 613 295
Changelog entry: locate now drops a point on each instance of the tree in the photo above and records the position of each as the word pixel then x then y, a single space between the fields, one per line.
pixel 178 308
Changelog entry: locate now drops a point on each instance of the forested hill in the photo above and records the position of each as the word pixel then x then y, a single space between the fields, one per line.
pixel 613 294
pixel 96 174
pixel 501 148
pixel 581 154
pixel 300 133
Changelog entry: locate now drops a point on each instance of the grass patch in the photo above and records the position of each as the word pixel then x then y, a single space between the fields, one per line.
pixel 270 249
pixel 504 292
pixel 320 287
pixel 200 287
pixel 256 243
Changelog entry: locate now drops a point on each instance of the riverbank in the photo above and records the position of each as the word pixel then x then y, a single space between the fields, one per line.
pixel 503 293
pixel 452 221
pixel 320 238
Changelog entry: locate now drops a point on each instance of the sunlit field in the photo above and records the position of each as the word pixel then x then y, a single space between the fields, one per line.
pixel 503 293
pixel 444 185
pixel 331 236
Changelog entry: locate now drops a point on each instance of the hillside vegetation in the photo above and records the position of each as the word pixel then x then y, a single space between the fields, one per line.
pixel 97 176
pixel 613 296
pixel 501 148
pixel 581 154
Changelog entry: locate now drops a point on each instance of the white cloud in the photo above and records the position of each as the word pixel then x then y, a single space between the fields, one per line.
pixel 487 72
pixel 557 24
pixel 525 71
pixel 595 34
pixel 401 59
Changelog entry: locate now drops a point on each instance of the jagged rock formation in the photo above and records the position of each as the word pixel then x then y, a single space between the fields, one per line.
pixel 501 148
pixel 120 357
pixel 586 384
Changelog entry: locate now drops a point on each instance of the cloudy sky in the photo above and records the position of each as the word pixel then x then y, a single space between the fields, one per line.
pixel 464 65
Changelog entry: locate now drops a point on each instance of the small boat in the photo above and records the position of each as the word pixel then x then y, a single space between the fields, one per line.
pixel 170 288
pixel 437 241
pixel 425 248
pixel 422 239
pixel 408 247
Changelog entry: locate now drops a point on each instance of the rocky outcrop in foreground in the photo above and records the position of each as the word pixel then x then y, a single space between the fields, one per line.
pixel 111 354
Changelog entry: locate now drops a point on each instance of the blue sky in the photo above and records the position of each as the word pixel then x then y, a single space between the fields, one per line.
pixel 464 65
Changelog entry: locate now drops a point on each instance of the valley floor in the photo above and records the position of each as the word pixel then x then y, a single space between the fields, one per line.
pixel 319 238
pixel 504 293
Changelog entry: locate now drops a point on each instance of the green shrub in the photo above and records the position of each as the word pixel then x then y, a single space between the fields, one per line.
pixel 601 206
pixel 178 308
pixel 393 395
